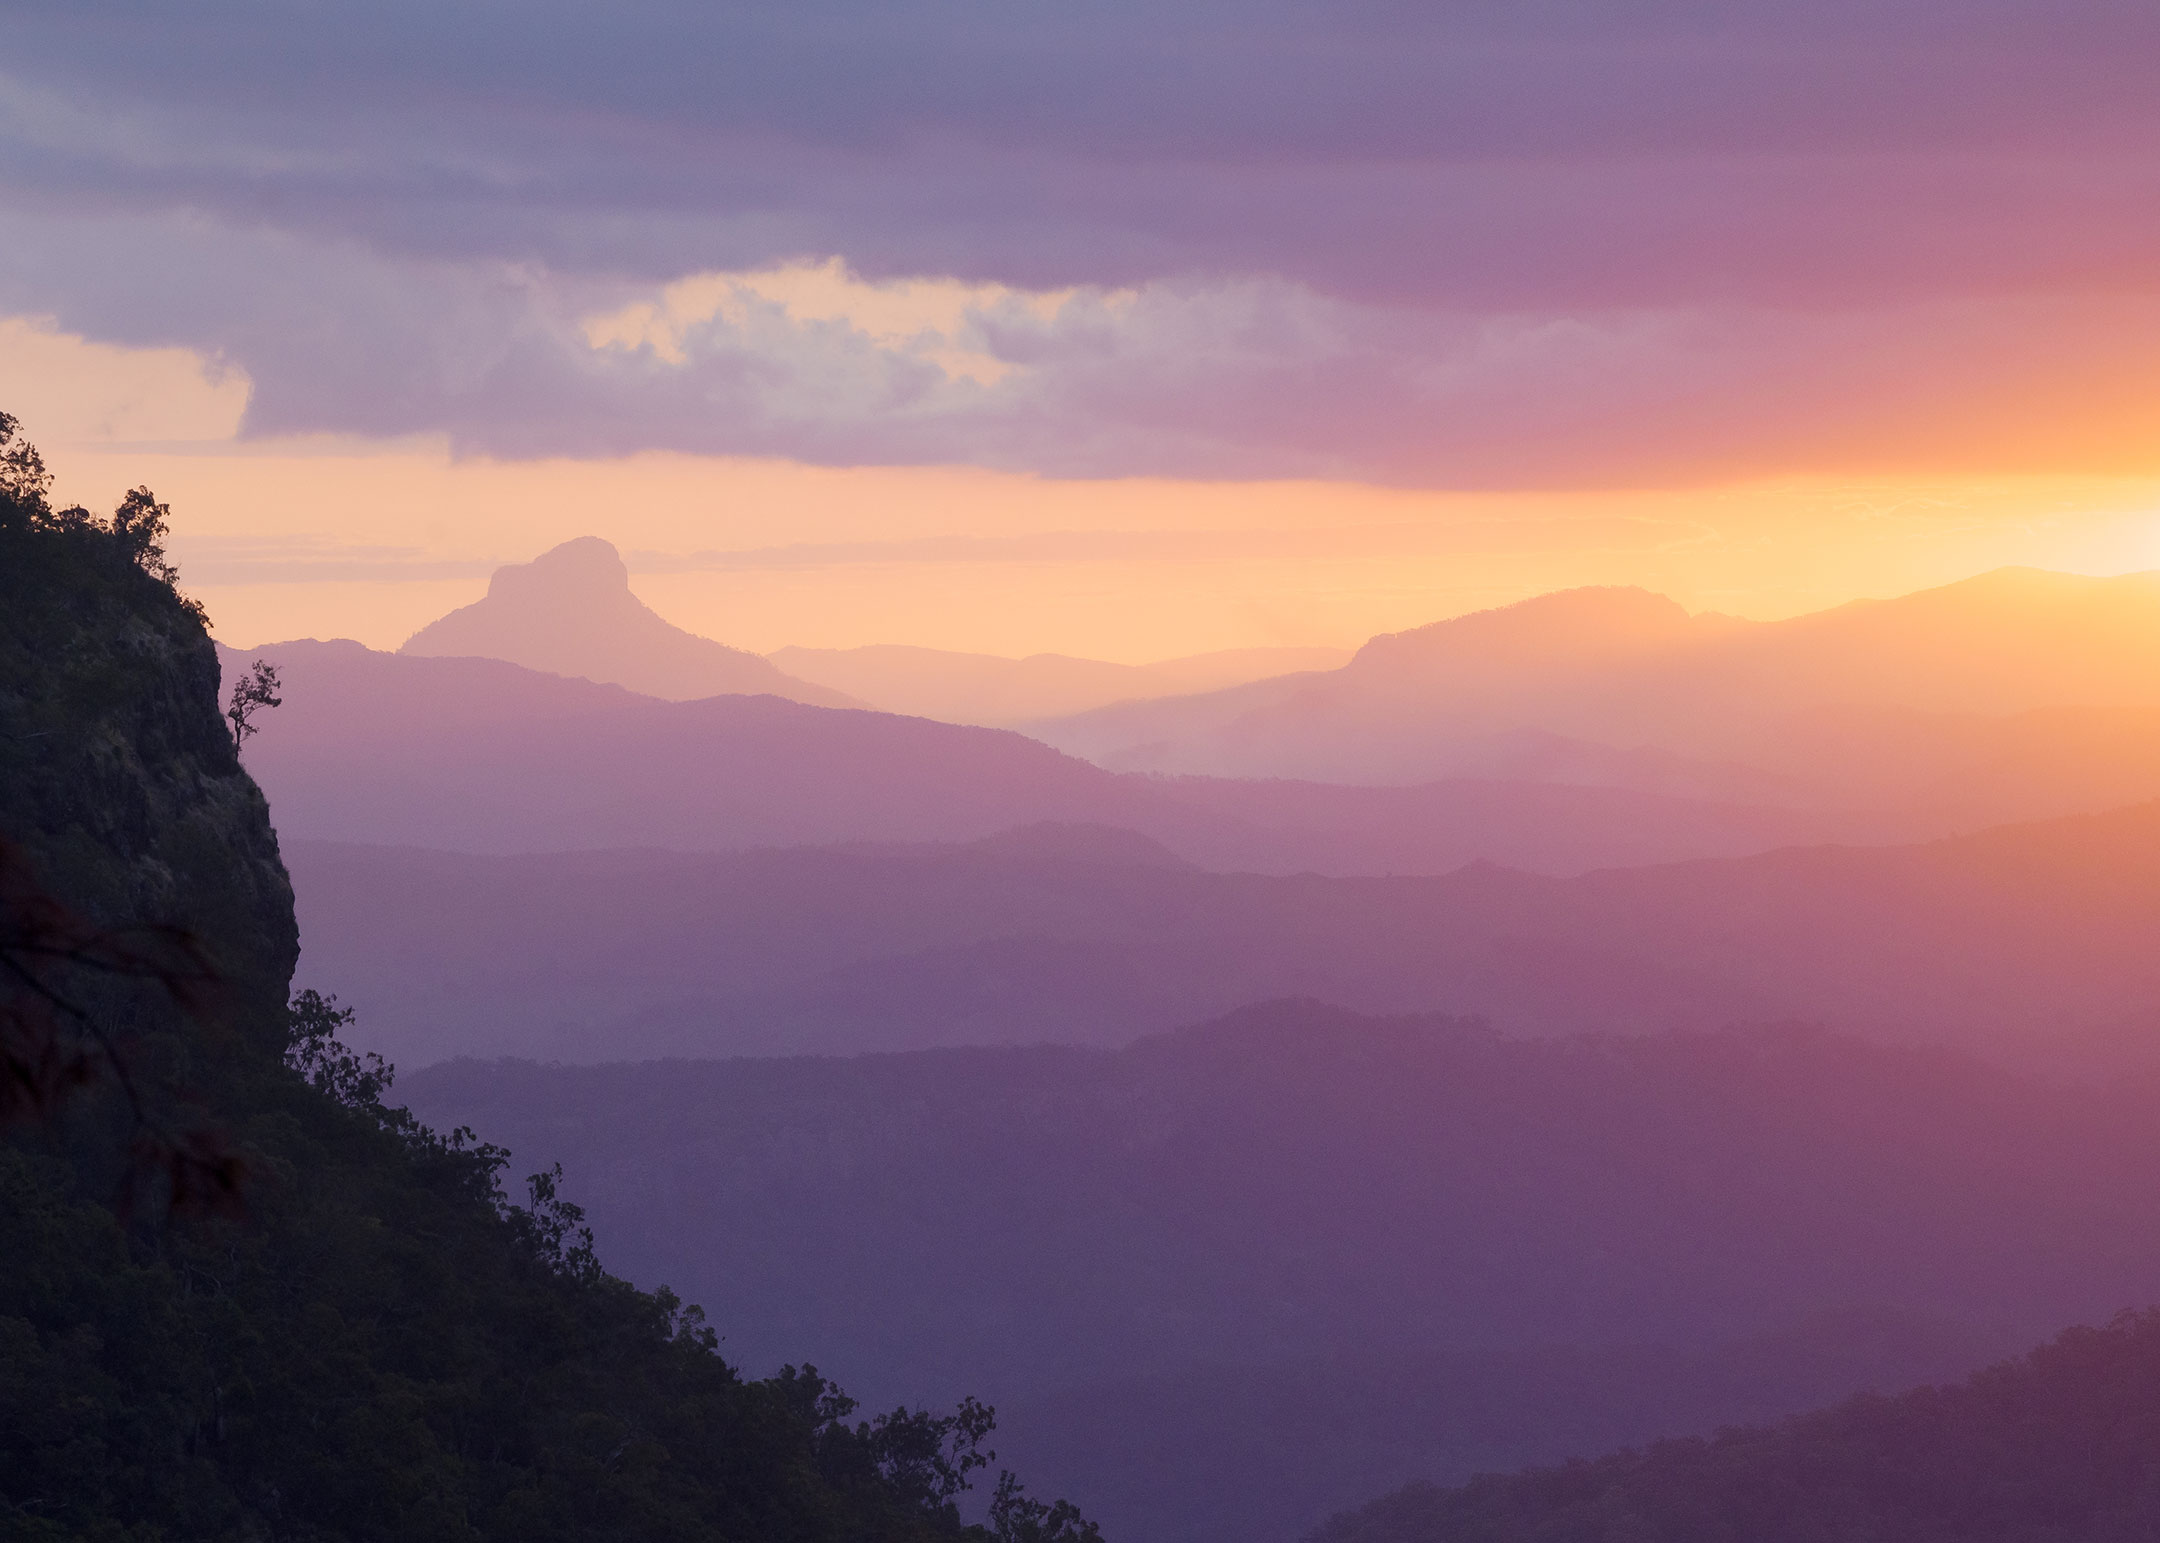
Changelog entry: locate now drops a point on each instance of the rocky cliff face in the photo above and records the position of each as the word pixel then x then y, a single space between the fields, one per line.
pixel 117 774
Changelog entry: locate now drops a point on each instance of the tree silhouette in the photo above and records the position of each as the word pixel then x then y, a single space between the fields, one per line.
pixel 250 694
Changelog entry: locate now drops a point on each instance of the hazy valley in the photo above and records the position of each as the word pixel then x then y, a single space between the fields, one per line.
pixel 1771 1035
pixel 1708 1032
pixel 1138 773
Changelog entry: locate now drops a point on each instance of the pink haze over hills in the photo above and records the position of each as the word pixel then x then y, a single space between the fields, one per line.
pixel 482 755
pixel 570 612
pixel 2031 942
pixel 1336 745
pixel 1752 748
pixel 1586 727
pixel 1630 669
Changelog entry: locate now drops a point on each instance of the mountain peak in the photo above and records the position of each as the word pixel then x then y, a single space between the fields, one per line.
pixel 571 611
pixel 583 569
pixel 1568 624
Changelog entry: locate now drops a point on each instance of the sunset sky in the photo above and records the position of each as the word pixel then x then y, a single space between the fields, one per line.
pixel 1121 329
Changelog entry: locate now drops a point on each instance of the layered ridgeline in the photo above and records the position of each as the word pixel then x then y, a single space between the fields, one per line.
pixel 2061 1445
pixel 1572 732
pixel 2030 941
pixel 372 1343
pixel 997 692
pixel 570 611
pixel 1229 1280
pixel 481 755
pixel 1980 696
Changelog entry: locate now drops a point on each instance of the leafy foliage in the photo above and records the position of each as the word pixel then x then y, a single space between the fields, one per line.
pixel 24 482
pixel 1017 1519
pixel 251 693
pixel 132 536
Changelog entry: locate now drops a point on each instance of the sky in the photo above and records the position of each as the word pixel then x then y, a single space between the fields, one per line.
pixel 1111 328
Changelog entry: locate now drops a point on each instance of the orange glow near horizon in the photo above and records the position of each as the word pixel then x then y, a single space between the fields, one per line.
pixel 372 540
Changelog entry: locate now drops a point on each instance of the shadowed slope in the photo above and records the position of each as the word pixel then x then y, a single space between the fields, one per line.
pixel 1229 1453
pixel 1340 1216
pixel 1244 1190
pixel 2063 1444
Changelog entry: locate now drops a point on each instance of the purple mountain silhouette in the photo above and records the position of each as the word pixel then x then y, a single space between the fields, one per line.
pixel 2033 940
pixel 480 755
pixel 570 612
pixel 1626 668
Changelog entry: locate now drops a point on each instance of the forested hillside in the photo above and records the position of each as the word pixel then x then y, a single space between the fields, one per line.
pixel 2063 1445
pixel 242 1297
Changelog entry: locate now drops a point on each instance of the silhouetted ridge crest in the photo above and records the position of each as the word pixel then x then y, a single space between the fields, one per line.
pixel 1294 1023
pixel 1293 1183
pixel 584 571
pixel 2062 1444
pixel 1080 842
pixel 1559 625
pixel 570 611
pixel 1864 705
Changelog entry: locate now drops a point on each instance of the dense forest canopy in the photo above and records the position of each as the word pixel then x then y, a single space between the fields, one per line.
pixel 358 1336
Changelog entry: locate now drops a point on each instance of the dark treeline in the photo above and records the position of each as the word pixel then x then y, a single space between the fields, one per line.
pixel 362 1338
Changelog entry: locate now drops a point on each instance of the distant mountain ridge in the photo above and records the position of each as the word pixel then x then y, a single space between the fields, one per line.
pixel 1627 668
pixel 570 612
pixel 2062 1444
pixel 1588 728
pixel 477 754
pixel 1216 1452
pixel 998 692
pixel 1282 1147
pixel 2033 942
pixel 1327 1220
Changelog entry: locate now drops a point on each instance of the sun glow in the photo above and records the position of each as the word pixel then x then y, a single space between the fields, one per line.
pixel 373 538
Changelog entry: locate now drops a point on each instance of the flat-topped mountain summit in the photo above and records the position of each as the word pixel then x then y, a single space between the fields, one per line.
pixel 570 611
